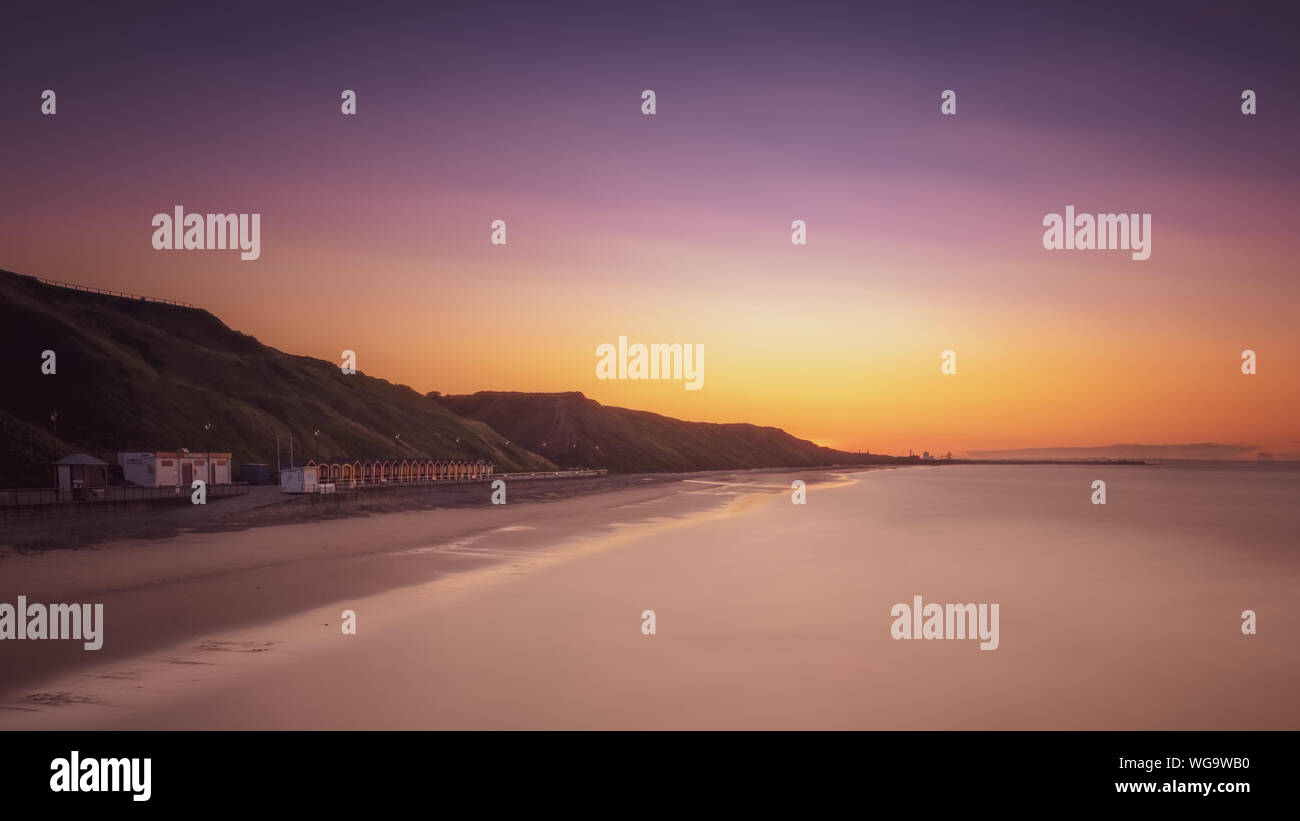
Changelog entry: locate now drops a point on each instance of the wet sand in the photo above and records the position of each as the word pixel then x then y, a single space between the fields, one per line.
pixel 769 615
pixel 162 591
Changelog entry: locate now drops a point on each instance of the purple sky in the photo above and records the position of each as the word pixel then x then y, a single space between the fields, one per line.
pixel 923 229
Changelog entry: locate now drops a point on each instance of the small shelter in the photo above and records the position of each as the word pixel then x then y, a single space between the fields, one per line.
pixel 81 476
pixel 299 479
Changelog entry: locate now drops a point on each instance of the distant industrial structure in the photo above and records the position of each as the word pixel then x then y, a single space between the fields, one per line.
pixel 927 456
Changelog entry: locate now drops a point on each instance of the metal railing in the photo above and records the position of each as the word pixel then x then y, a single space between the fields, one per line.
pixel 343 483
pixel 557 474
pixel 120 294
pixel 399 481
pixel 48 496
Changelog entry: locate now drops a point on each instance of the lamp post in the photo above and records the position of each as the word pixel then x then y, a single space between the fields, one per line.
pixel 207 453
pixel 54 446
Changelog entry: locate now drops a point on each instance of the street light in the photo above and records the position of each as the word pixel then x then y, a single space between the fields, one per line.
pixel 207 453
pixel 54 446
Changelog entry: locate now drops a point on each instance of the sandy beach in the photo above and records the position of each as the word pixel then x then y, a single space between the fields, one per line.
pixel 768 614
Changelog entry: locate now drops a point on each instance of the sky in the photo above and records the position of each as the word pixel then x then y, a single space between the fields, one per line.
pixel 924 231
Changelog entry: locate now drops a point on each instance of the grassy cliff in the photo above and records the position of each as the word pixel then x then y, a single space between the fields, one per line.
pixel 572 430
pixel 135 375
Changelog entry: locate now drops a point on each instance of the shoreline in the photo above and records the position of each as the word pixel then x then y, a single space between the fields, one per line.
pixel 252 574
pixel 268 507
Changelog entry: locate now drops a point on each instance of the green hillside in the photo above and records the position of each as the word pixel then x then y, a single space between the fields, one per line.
pixel 135 375
pixel 574 431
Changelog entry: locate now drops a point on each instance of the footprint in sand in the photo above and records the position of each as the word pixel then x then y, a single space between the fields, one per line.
pixel 120 674
pixel 59 699
pixel 238 646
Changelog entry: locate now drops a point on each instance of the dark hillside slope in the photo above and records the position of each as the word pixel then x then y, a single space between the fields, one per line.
pixel 137 375
pixel 572 431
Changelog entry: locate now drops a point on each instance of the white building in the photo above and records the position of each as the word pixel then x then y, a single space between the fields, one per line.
pixel 298 480
pixel 174 468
